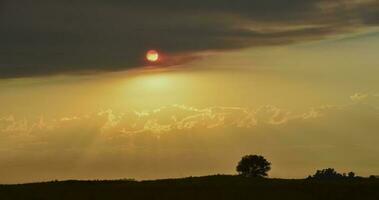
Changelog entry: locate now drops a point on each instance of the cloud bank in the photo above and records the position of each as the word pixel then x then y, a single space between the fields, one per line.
pixel 176 118
pixel 179 140
pixel 43 37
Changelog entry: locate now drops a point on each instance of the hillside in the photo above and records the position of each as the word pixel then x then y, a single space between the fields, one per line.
pixel 209 187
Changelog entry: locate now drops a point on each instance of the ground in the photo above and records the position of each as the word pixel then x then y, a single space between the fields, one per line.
pixel 208 187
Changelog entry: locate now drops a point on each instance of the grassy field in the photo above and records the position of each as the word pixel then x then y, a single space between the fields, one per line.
pixel 209 187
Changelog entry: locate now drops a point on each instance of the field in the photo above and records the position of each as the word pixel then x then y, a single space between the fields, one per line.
pixel 208 187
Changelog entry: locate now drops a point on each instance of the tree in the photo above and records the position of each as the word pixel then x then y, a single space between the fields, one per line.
pixel 253 166
pixel 351 175
pixel 372 177
pixel 327 174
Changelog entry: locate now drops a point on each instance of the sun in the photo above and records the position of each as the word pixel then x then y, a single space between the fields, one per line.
pixel 152 56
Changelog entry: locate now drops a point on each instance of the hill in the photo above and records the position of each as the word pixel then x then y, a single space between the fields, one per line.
pixel 209 187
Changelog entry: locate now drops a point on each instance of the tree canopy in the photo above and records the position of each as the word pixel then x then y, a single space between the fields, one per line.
pixel 253 166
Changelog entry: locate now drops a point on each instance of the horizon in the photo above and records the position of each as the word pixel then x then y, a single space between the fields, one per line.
pixel 182 178
pixel 161 89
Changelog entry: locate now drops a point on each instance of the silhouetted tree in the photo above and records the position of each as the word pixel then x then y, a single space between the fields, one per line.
pixel 253 166
pixel 372 177
pixel 351 175
pixel 326 174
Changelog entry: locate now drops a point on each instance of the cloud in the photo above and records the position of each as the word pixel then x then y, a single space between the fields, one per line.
pixel 365 98
pixel 73 37
pixel 191 140
pixel 129 128
pixel 174 118
pixel 358 97
pixel 160 121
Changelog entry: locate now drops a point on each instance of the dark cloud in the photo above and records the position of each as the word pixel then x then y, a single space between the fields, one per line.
pixel 42 37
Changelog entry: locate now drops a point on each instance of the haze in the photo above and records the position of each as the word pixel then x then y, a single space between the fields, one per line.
pixel 296 82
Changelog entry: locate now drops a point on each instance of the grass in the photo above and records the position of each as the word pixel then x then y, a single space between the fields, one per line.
pixel 208 187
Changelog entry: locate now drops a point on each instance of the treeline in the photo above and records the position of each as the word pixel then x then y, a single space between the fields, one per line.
pixel 258 166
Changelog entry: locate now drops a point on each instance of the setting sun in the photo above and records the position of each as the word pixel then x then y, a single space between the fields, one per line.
pixel 152 56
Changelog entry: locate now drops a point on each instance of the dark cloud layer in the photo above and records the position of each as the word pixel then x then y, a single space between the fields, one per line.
pixel 41 37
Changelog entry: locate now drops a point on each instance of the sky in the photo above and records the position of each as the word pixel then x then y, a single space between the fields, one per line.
pixel 295 81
